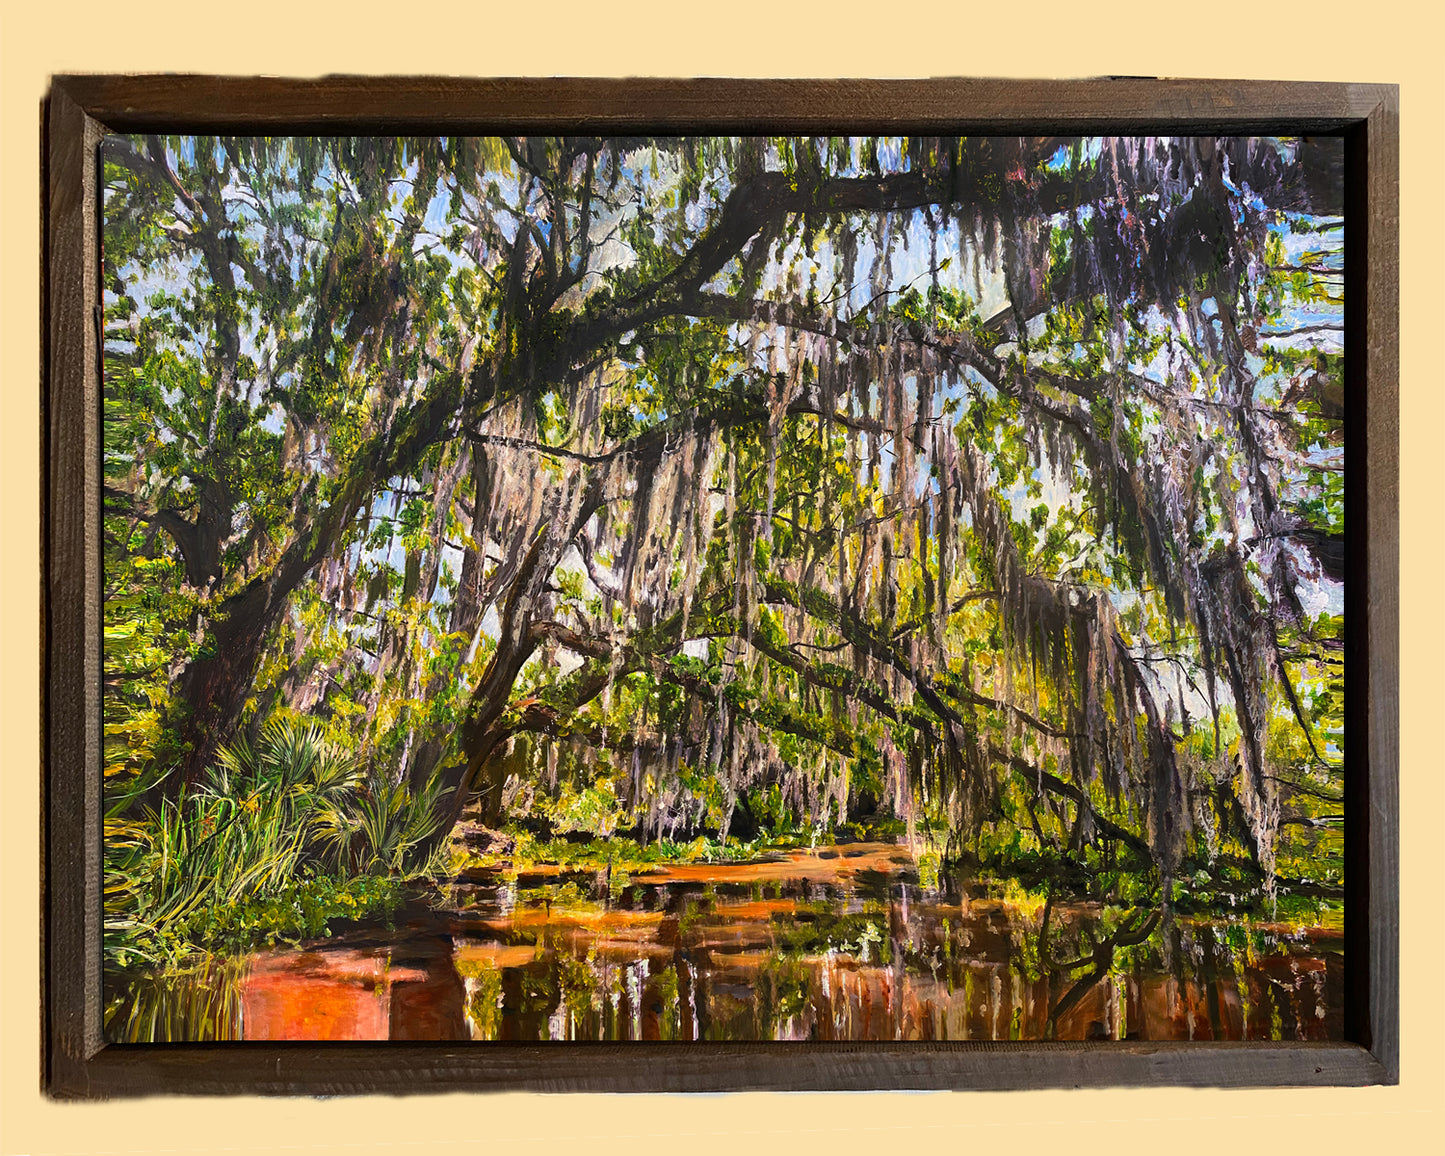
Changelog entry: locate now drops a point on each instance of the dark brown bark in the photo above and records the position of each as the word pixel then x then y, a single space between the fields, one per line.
pixel 215 685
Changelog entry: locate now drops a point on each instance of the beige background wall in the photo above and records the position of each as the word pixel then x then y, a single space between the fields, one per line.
pixel 1382 41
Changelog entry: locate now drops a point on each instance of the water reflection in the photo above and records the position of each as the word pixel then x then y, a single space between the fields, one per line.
pixel 841 945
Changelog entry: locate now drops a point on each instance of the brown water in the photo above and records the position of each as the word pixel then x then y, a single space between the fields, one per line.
pixel 840 944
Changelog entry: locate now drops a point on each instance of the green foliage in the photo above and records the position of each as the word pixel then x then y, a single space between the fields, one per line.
pixel 282 837
pixel 664 487
pixel 379 825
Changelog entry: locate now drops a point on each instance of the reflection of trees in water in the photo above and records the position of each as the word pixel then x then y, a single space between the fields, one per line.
pixel 788 960
pixel 1133 930
pixel 821 965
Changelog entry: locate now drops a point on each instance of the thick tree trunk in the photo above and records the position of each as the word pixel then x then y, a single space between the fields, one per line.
pixel 213 689
pixel 483 732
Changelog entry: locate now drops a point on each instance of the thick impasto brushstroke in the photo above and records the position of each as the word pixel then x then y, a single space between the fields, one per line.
pixel 797 588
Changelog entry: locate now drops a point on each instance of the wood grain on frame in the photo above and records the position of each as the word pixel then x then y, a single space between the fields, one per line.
pixel 81 109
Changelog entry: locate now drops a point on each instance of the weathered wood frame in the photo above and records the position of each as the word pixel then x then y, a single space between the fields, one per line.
pixel 76 1060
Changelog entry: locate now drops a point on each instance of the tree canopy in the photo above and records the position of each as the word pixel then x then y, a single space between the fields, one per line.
pixel 991 483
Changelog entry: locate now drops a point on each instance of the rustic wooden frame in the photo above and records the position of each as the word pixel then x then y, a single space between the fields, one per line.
pixel 76 1060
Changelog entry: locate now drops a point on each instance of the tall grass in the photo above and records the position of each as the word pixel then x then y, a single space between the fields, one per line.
pixel 279 838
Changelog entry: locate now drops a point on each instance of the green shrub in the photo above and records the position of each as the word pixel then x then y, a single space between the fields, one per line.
pixel 280 838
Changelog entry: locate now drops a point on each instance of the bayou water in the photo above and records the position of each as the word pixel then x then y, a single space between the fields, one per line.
pixel 837 943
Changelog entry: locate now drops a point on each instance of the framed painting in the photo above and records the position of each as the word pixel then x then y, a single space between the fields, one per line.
pixel 699 585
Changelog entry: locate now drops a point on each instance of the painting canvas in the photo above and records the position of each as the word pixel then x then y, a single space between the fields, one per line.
pixel 715 589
